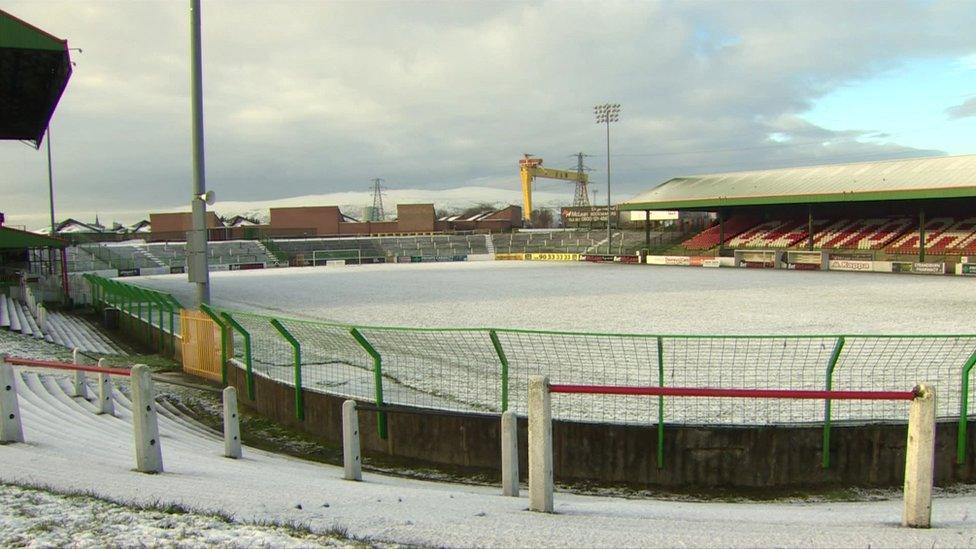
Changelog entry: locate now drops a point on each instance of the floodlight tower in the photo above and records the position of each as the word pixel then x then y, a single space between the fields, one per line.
pixel 605 114
pixel 197 266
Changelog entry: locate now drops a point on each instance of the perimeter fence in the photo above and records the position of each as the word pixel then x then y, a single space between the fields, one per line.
pixel 482 370
pixel 153 310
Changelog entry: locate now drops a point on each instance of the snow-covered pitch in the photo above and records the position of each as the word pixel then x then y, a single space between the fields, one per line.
pixel 459 370
pixel 597 297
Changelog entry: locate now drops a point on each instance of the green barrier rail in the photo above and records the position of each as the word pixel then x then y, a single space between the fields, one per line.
pixel 297 349
pixel 248 356
pixel 828 385
pixel 138 305
pixel 377 378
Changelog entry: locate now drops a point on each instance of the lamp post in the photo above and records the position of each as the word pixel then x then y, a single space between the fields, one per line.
pixel 605 114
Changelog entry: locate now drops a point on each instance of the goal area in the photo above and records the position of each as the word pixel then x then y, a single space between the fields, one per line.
pixel 325 257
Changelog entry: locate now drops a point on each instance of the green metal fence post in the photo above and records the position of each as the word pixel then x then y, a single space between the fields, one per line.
pixel 660 404
pixel 159 311
pixel 247 352
pixel 964 410
pixel 504 360
pixel 828 384
pixel 145 297
pixel 297 351
pixel 176 306
pixel 224 328
pixel 377 378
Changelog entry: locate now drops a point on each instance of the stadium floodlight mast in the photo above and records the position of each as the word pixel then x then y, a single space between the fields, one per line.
pixel 197 267
pixel 605 114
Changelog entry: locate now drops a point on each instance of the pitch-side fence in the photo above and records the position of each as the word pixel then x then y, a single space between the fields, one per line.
pixel 920 452
pixel 487 371
pixel 144 309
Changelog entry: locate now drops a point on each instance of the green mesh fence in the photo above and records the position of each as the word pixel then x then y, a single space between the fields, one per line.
pixel 143 308
pixel 462 370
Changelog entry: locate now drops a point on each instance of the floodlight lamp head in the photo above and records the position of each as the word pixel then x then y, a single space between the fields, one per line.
pixel 209 197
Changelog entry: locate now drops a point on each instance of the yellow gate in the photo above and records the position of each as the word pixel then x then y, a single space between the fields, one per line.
pixel 201 345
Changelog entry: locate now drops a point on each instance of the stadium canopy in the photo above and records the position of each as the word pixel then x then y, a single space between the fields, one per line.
pixel 13 239
pixel 35 69
pixel 908 179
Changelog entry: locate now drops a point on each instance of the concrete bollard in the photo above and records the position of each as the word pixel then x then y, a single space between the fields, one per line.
pixel 42 317
pixel 510 464
pixel 145 424
pixel 920 459
pixel 81 388
pixel 10 426
pixel 232 425
pixel 105 403
pixel 540 445
pixel 351 459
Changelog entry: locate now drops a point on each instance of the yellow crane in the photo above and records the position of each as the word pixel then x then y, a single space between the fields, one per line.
pixel 530 167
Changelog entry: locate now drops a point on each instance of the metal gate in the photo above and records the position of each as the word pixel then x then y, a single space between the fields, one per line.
pixel 201 345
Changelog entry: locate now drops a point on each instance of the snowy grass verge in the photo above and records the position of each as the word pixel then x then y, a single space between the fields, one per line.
pixel 37 515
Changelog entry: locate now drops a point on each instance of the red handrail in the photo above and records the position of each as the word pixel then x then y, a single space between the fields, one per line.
pixel 19 361
pixel 734 393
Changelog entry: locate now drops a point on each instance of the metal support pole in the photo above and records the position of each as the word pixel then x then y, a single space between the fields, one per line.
pixel 647 229
pixel 921 235
pixel 809 227
pixel 50 183
pixel 199 240
pixel 609 234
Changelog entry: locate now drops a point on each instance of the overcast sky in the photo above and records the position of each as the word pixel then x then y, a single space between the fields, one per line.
pixel 320 97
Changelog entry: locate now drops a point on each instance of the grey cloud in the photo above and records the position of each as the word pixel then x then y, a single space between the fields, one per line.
pixel 306 97
pixel 964 110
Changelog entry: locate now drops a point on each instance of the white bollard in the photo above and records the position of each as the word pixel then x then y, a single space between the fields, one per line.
pixel 149 456
pixel 351 458
pixel 105 403
pixel 81 388
pixel 10 427
pixel 42 317
pixel 510 464
pixel 920 459
pixel 540 445
pixel 232 425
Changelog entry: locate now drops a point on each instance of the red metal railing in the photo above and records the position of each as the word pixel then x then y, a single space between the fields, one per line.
pixel 734 393
pixel 19 361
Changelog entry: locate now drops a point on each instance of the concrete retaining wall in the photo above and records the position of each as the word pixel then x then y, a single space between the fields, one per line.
pixel 694 457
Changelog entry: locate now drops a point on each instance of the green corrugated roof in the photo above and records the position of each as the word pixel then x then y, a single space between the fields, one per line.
pixel 908 179
pixel 12 239
pixel 15 33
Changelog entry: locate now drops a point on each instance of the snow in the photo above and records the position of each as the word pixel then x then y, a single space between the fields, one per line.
pixel 596 297
pixel 70 449
pixel 459 371
pixel 39 518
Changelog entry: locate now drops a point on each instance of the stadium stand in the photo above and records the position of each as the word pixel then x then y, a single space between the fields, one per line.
pixel 709 238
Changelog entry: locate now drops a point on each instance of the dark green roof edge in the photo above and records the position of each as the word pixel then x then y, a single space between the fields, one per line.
pixel 13 239
pixel 18 34
pixel 873 196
